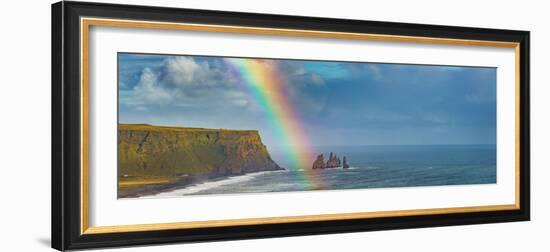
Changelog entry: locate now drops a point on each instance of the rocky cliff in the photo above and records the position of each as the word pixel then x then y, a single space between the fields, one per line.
pixel 154 151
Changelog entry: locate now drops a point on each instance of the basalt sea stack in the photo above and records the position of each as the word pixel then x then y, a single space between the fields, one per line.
pixel 332 162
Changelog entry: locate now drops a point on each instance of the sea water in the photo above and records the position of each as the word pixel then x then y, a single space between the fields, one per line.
pixel 370 167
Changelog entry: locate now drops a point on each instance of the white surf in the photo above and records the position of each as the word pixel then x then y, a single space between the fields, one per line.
pixel 207 185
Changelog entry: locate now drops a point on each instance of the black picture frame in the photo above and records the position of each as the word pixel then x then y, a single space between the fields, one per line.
pixel 66 125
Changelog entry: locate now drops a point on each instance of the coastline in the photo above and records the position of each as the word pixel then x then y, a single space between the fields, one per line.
pixel 153 159
pixel 178 184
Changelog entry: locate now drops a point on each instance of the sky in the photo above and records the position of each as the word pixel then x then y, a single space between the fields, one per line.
pixel 334 103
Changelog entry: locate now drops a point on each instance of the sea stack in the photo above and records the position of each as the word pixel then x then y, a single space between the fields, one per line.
pixel 345 164
pixel 332 162
pixel 319 163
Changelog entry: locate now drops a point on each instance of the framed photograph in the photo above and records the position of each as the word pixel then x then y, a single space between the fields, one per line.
pixel 181 125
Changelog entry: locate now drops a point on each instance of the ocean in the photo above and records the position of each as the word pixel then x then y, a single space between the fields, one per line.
pixel 370 167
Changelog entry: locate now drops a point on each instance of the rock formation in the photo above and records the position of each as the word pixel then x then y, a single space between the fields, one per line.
pixel 332 162
pixel 153 151
pixel 319 163
pixel 345 164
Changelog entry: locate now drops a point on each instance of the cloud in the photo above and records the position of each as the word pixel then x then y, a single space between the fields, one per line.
pixel 190 81
pixel 148 90
pixel 237 98
pixel 296 74
pixel 182 71
pixel 313 88
pixel 349 100
pixel 305 89
pixel 183 81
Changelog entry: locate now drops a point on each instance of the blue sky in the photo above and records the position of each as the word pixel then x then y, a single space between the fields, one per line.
pixel 339 103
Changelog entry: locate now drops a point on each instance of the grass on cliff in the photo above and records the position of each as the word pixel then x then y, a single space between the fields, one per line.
pixel 149 127
pixel 146 150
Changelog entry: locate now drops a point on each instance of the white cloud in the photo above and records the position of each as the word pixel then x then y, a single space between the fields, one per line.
pixel 148 90
pixel 189 82
pixel 182 71
pixel 185 82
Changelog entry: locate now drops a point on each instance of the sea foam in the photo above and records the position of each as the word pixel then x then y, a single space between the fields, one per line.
pixel 207 185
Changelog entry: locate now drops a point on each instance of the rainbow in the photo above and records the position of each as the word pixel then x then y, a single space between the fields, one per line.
pixel 263 82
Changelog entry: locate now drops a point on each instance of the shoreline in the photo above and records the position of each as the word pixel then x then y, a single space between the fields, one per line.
pixel 180 183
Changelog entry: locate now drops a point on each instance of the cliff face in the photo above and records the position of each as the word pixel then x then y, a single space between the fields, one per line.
pixel 145 151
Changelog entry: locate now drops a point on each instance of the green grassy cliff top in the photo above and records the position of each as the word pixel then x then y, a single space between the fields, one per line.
pixel 148 127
